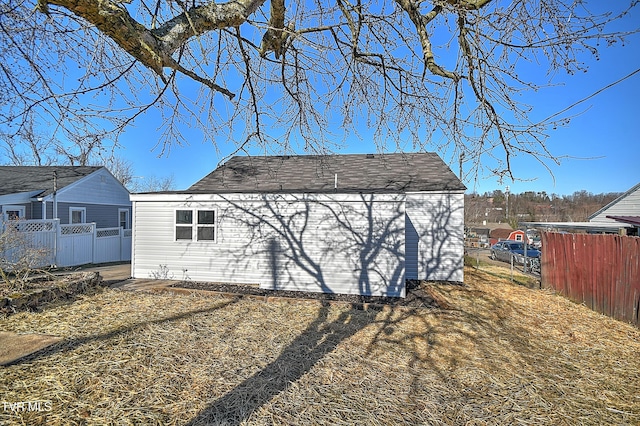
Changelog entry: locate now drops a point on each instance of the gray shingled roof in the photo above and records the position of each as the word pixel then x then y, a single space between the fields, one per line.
pixel 355 173
pixel 15 179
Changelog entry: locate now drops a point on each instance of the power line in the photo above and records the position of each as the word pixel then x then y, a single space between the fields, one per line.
pixel 597 92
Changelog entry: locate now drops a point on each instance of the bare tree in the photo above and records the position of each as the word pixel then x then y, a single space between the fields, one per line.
pixel 153 184
pixel 273 74
pixel 20 256
pixel 122 170
pixel 26 147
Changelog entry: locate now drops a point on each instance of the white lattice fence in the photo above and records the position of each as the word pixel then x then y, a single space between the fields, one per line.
pixel 108 232
pixel 27 244
pixel 77 229
pixel 108 247
pixel 33 226
pixel 68 245
pixel 75 244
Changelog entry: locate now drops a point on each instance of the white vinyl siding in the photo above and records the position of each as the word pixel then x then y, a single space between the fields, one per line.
pixel 350 244
pixel 99 187
pixel 341 243
pixel 627 204
pixel 410 249
pixel 436 244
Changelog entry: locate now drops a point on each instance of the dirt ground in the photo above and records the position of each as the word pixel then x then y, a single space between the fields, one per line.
pixel 418 294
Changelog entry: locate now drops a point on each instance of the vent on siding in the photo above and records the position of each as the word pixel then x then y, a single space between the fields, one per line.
pixel 369 155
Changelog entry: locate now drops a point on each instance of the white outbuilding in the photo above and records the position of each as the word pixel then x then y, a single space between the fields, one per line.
pixel 353 224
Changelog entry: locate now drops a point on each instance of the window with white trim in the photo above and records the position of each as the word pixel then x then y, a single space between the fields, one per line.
pixel 184 225
pixel 77 215
pixel 195 224
pixel 13 212
pixel 123 218
pixel 206 225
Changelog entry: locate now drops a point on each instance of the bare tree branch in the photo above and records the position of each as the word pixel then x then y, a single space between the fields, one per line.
pixel 441 75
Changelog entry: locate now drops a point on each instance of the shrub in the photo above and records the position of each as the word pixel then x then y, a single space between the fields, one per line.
pixel 19 257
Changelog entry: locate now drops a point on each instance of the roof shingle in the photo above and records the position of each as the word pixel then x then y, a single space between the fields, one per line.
pixel 16 179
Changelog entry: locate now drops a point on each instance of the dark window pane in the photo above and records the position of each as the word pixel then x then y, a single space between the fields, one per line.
pixel 206 233
pixel 184 216
pixel 76 216
pixel 205 217
pixel 183 233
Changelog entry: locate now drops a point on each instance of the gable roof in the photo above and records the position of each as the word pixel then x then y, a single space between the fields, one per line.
pixel 369 173
pixel 502 233
pixel 17 179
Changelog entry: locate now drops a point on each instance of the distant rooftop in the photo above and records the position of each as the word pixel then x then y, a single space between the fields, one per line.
pixel 631 220
pixel 392 173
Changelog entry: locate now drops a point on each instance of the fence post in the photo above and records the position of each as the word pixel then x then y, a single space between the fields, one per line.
pixel 94 242
pixel 56 239
pixel 121 243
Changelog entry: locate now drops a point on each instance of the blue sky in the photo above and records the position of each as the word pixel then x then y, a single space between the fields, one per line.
pixel 597 145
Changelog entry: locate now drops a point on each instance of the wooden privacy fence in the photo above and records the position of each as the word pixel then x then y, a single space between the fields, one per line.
pixel 601 271
pixel 72 245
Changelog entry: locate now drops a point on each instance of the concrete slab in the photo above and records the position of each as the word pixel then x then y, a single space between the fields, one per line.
pixel 14 346
pixel 141 284
pixel 112 273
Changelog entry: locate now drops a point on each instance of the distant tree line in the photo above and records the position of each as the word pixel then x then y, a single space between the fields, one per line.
pixel 498 206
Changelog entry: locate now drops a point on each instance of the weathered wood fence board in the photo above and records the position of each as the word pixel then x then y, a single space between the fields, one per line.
pixel 601 271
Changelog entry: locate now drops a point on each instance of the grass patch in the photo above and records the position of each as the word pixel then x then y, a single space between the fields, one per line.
pixel 496 353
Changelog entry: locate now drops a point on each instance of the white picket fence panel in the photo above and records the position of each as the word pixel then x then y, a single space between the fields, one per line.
pixel 75 244
pixel 112 245
pixel 31 235
pixel 72 245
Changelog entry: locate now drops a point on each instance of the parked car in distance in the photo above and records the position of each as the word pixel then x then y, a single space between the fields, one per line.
pixel 505 250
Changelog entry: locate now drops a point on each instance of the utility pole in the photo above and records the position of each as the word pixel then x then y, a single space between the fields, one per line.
pixel 506 195
pixel 55 194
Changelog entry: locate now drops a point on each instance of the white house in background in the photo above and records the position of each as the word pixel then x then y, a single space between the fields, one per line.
pixel 621 216
pixel 623 210
pixel 354 224
pixel 69 193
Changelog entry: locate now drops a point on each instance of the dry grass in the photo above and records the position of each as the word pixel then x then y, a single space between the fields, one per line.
pixel 494 353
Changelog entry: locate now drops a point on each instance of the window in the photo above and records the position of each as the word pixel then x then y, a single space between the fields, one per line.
pixel 184 225
pixel 123 218
pixel 205 225
pixel 77 215
pixel 13 212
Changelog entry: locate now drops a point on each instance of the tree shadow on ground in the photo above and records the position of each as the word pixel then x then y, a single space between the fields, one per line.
pixel 70 344
pixel 320 338
pixel 299 245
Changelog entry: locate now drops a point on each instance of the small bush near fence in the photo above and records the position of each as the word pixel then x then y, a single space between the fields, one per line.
pixel 19 257
pixel 601 271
